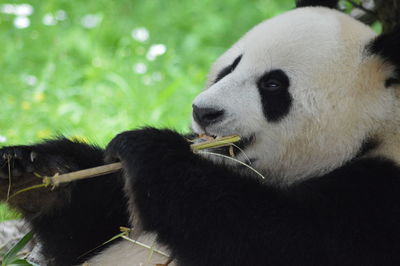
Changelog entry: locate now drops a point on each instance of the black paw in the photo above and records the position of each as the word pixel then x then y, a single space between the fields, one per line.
pixel 23 161
pixel 16 160
pixel 146 145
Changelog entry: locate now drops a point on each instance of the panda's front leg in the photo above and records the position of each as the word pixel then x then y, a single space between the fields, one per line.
pixel 195 206
pixel 153 161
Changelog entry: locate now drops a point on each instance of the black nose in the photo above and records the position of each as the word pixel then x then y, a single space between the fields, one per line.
pixel 206 116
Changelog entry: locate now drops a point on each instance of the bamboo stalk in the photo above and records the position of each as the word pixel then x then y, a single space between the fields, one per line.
pixel 114 167
pixel 82 174
pixel 215 143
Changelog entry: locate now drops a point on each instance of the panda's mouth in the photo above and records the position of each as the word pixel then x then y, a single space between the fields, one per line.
pixel 246 141
pixel 237 147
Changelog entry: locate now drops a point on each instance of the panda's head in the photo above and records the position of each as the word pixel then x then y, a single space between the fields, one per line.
pixel 308 91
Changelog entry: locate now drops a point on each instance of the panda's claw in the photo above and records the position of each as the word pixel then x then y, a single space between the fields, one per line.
pixel 15 161
pixel 33 156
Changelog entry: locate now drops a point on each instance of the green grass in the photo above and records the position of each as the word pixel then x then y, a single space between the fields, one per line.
pixel 6 213
pixel 76 81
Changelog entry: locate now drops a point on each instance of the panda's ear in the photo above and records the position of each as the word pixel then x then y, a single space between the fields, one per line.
pixel 387 47
pixel 324 3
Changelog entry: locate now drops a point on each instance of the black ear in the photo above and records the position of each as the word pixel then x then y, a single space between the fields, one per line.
pixel 387 46
pixel 324 3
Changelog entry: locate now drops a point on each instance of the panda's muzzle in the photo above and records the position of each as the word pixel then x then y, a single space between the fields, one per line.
pixel 207 116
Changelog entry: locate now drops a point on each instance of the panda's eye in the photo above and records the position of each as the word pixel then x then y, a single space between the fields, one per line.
pixel 270 85
pixel 273 81
pixel 275 97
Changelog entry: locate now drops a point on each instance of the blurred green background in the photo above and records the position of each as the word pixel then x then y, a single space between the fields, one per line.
pixel 91 69
pixel 94 68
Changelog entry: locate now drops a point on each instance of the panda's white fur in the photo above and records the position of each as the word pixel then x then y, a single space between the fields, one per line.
pixel 323 51
pixel 332 78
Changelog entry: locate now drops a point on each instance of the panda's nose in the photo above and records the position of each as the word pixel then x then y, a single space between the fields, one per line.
pixel 206 116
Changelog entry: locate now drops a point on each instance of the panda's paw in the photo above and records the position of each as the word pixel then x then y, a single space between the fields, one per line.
pixel 15 160
pixel 147 145
pixel 150 159
pixel 21 168
pixel 21 162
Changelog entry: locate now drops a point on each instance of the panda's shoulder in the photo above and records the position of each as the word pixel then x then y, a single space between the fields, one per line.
pixel 369 167
pixel 371 177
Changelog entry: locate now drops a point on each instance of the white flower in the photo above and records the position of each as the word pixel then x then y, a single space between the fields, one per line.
pixel 8 9
pixel 140 34
pixel 21 22
pixel 61 15
pixel 140 68
pixel 156 50
pixel 3 139
pixel 23 10
pixel 31 80
pixel 91 21
pixel 49 20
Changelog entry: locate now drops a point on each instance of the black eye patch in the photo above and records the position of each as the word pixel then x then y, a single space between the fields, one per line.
pixel 275 97
pixel 229 69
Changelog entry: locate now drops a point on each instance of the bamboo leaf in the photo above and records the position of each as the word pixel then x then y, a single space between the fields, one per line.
pixel 20 262
pixel 11 256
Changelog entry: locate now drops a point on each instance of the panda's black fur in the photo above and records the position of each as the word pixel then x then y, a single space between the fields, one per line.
pixel 387 46
pixel 325 3
pixel 227 70
pixel 208 213
pixel 73 219
pixel 348 217
pixel 276 103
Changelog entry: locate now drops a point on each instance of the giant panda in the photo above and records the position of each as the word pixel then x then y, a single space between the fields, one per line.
pixel 314 95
